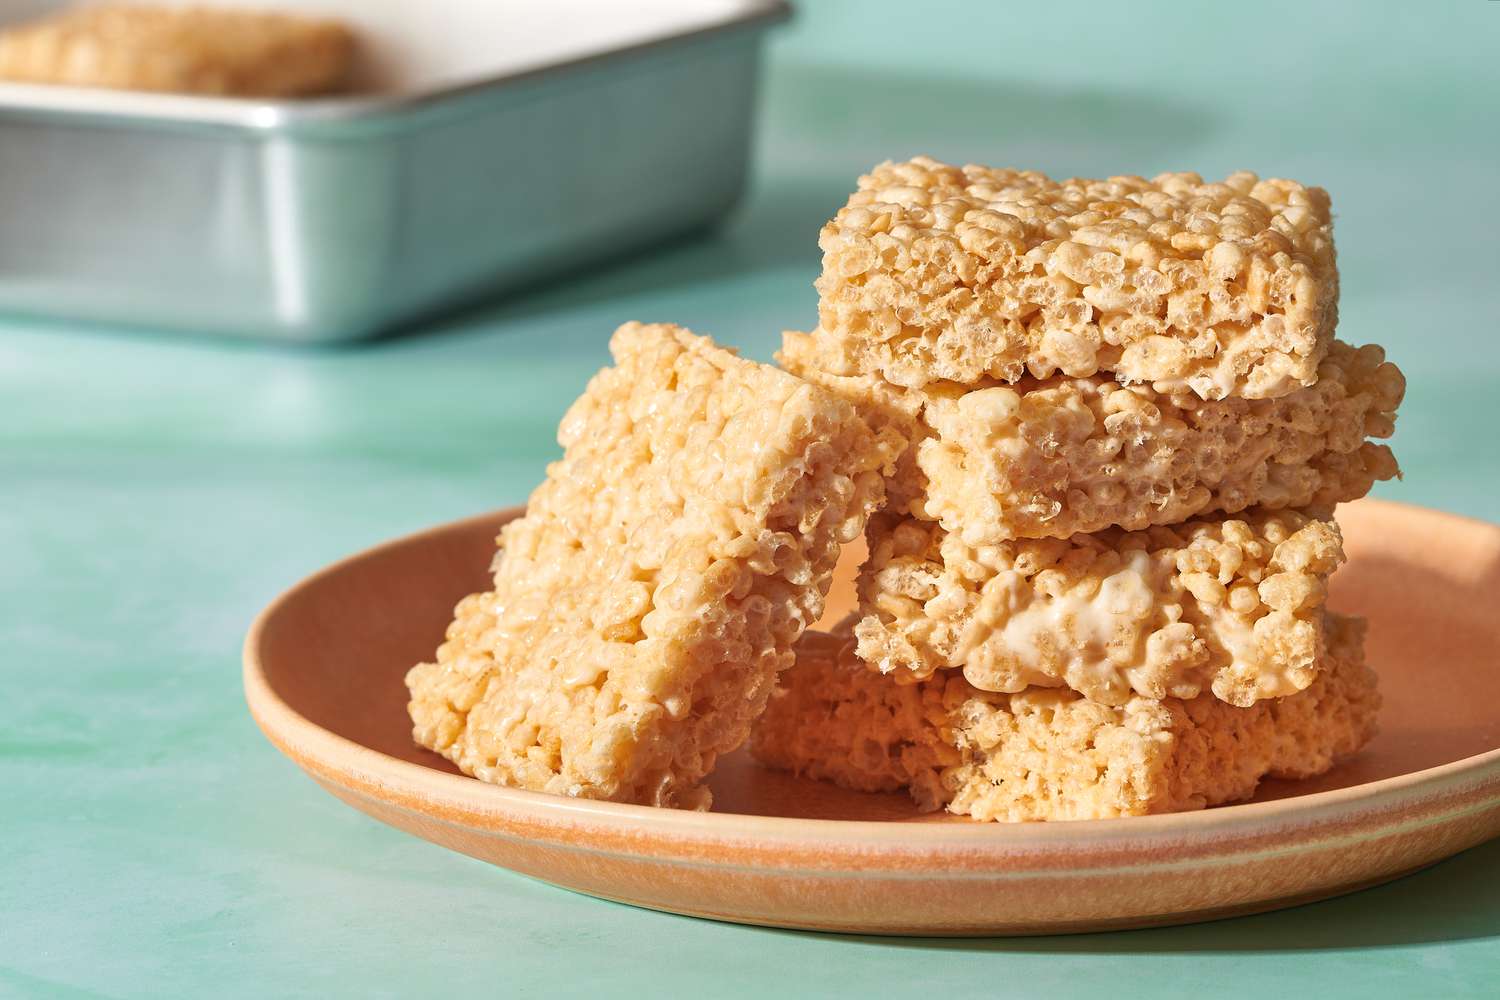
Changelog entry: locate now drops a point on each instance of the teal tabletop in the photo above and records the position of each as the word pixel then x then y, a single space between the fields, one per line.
pixel 156 491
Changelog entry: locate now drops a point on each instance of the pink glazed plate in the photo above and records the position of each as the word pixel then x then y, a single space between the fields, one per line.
pixel 323 678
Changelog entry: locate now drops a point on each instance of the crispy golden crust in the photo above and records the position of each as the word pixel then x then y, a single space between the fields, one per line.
pixel 935 272
pixel 192 50
pixel 1228 605
pixel 643 605
pixel 1049 754
pixel 1051 458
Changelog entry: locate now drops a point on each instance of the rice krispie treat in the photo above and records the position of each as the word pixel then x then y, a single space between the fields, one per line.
pixel 643 605
pixel 1048 753
pixel 1232 606
pixel 189 50
pixel 1050 458
pixel 935 272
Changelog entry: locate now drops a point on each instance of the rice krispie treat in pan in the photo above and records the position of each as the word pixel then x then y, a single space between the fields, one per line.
pixel 1051 458
pixel 935 272
pixel 643 605
pixel 1048 753
pixel 1231 607
pixel 188 50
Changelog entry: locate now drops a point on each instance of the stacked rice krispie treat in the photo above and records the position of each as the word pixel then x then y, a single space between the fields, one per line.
pixel 1097 586
pixel 643 606
pixel 1092 432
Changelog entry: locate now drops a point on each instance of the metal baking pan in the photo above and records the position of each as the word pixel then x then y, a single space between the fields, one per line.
pixel 490 143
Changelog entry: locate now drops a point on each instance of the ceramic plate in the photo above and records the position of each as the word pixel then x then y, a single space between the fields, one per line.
pixel 323 677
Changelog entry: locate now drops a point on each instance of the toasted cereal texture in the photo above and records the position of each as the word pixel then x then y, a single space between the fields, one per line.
pixel 189 50
pixel 886 408
pixel 1049 753
pixel 1051 458
pixel 934 272
pixel 1228 605
pixel 644 604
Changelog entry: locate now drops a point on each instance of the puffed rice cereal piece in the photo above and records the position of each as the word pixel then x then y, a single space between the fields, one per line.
pixel 1048 753
pixel 188 50
pixel 936 272
pixel 1231 605
pixel 1051 458
pixel 643 605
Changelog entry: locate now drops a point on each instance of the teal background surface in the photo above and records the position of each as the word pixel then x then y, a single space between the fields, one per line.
pixel 155 492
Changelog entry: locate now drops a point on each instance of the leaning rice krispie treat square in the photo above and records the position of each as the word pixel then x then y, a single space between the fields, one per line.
pixel 643 605
pixel 935 272
pixel 188 50
pixel 1048 458
pixel 1049 753
pixel 1227 605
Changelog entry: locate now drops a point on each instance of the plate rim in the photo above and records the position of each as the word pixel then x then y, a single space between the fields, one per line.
pixel 328 756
